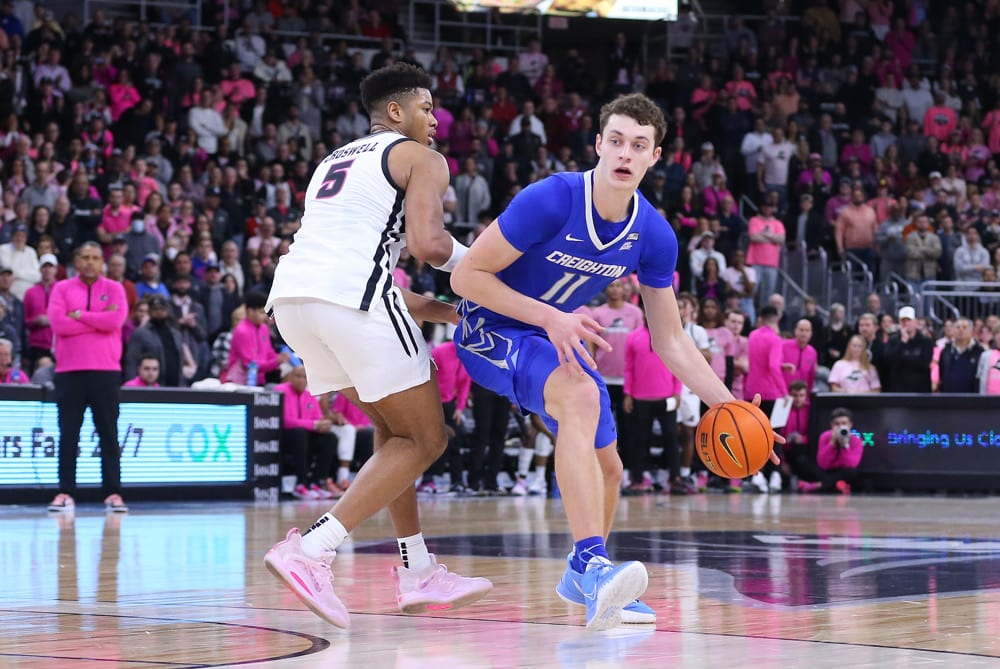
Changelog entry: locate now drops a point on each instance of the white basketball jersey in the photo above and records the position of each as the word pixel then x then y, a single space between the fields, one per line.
pixel 352 229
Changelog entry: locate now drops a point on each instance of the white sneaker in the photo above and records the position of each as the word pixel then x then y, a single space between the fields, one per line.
pixel 436 589
pixel 519 489
pixel 536 486
pixel 758 482
pixel 504 482
pixel 774 483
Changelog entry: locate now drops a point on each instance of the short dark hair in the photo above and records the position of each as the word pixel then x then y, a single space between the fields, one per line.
pixel 767 312
pixel 256 300
pixel 391 82
pixel 795 386
pixel 841 412
pixel 639 108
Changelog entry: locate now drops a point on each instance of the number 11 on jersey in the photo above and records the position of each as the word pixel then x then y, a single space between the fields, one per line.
pixel 561 285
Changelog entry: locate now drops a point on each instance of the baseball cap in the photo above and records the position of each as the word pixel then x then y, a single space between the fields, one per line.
pixel 47 259
pixel 6 270
pixel 815 156
pixel 707 146
pixel 157 302
pixel 212 265
pixel 935 175
pixel 214 190
pixel 119 238
pixel 907 312
pixel 20 227
pixel 151 257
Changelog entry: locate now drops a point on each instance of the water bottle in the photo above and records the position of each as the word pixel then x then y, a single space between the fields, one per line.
pixel 252 373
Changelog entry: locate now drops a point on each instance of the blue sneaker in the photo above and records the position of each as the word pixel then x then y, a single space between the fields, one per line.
pixel 571 592
pixel 607 589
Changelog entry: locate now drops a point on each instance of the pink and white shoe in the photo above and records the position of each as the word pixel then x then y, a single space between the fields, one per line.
pixel 436 589
pixel 310 579
pixel 302 492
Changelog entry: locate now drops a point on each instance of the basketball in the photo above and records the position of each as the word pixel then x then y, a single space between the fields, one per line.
pixel 734 439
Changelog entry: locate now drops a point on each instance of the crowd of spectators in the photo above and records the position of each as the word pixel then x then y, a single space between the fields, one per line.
pixel 869 127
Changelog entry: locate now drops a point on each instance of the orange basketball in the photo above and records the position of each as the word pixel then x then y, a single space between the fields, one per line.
pixel 734 439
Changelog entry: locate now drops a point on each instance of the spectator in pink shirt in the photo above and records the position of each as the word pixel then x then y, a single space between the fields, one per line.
pixel 767 237
pixel 9 373
pixel 838 455
pixel 854 373
pixel 766 378
pixel 858 150
pixel 741 89
pixel 940 119
pixel 116 217
pixel 799 357
pixel 36 319
pixel 455 386
pixel 123 95
pixel 252 343
pixel 798 458
pixel 619 318
pixel 237 89
pixel 735 320
pixel 901 41
pixel 652 392
pixel 306 437
pixel 148 374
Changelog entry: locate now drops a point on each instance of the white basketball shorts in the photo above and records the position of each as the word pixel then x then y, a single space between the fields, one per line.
pixel 378 352
pixel 689 411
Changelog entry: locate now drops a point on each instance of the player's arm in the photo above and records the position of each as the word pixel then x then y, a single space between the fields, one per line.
pixel 423 174
pixel 475 278
pixel 428 309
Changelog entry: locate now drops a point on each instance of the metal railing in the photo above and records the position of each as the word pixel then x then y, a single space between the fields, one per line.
pixel 795 297
pixel 145 9
pixel 972 299
pixel 897 292
pixel 501 37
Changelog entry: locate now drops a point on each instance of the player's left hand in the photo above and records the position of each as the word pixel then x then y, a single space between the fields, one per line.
pixel 567 332
pixel 778 439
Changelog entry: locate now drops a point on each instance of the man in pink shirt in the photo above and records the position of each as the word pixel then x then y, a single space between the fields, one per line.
pixel 9 374
pixel 455 385
pixel 148 374
pixel 305 432
pixel 735 320
pixel 251 342
pixel 236 88
pixel 855 229
pixel 838 455
pixel 36 320
pixel 798 357
pixel 116 218
pixel 652 392
pixel 87 313
pixel 767 237
pixel 766 378
pixel 940 119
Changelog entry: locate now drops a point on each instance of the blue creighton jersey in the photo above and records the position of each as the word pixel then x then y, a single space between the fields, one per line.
pixel 570 253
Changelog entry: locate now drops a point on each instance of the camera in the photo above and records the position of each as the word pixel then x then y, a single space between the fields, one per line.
pixel 843 432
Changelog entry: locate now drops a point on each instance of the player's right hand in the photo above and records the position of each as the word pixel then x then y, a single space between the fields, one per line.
pixel 568 332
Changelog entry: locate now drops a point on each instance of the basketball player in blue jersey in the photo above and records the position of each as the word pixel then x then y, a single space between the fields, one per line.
pixel 559 243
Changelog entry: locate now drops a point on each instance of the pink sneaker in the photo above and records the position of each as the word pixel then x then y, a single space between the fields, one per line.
pixel 807 487
pixel 436 589
pixel 310 579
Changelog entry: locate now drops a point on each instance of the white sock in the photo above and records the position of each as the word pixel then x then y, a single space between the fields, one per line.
pixel 540 472
pixel 326 534
pixel 524 458
pixel 413 550
pixel 343 474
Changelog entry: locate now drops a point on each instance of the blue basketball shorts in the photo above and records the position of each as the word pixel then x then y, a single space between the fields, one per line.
pixel 516 362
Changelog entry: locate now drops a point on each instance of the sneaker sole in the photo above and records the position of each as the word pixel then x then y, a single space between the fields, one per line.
pixel 414 608
pixel 628 617
pixel 628 584
pixel 291 584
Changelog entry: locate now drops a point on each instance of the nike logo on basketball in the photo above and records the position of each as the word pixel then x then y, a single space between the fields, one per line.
pixel 571 238
pixel 724 441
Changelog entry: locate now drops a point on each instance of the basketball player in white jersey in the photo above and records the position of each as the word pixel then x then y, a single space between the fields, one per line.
pixel 335 304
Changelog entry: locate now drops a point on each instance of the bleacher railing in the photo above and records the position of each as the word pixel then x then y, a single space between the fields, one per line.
pixel 972 299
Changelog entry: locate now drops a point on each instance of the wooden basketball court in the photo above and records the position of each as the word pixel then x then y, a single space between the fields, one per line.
pixel 741 580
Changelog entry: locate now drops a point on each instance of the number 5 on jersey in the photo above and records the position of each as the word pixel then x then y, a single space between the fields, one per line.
pixel 334 180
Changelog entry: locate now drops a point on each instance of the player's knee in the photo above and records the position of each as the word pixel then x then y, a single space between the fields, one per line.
pixel 612 471
pixel 432 447
pixel 572 397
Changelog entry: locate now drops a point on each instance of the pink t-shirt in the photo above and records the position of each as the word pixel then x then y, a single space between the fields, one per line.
pixel 739 348
pixel 852 379
pixel 618 323
pixel 646 377
pixel 137 382
pixel 767 254
pixel 722 344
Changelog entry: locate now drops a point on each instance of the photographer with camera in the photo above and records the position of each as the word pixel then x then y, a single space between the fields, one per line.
pixel 837 455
